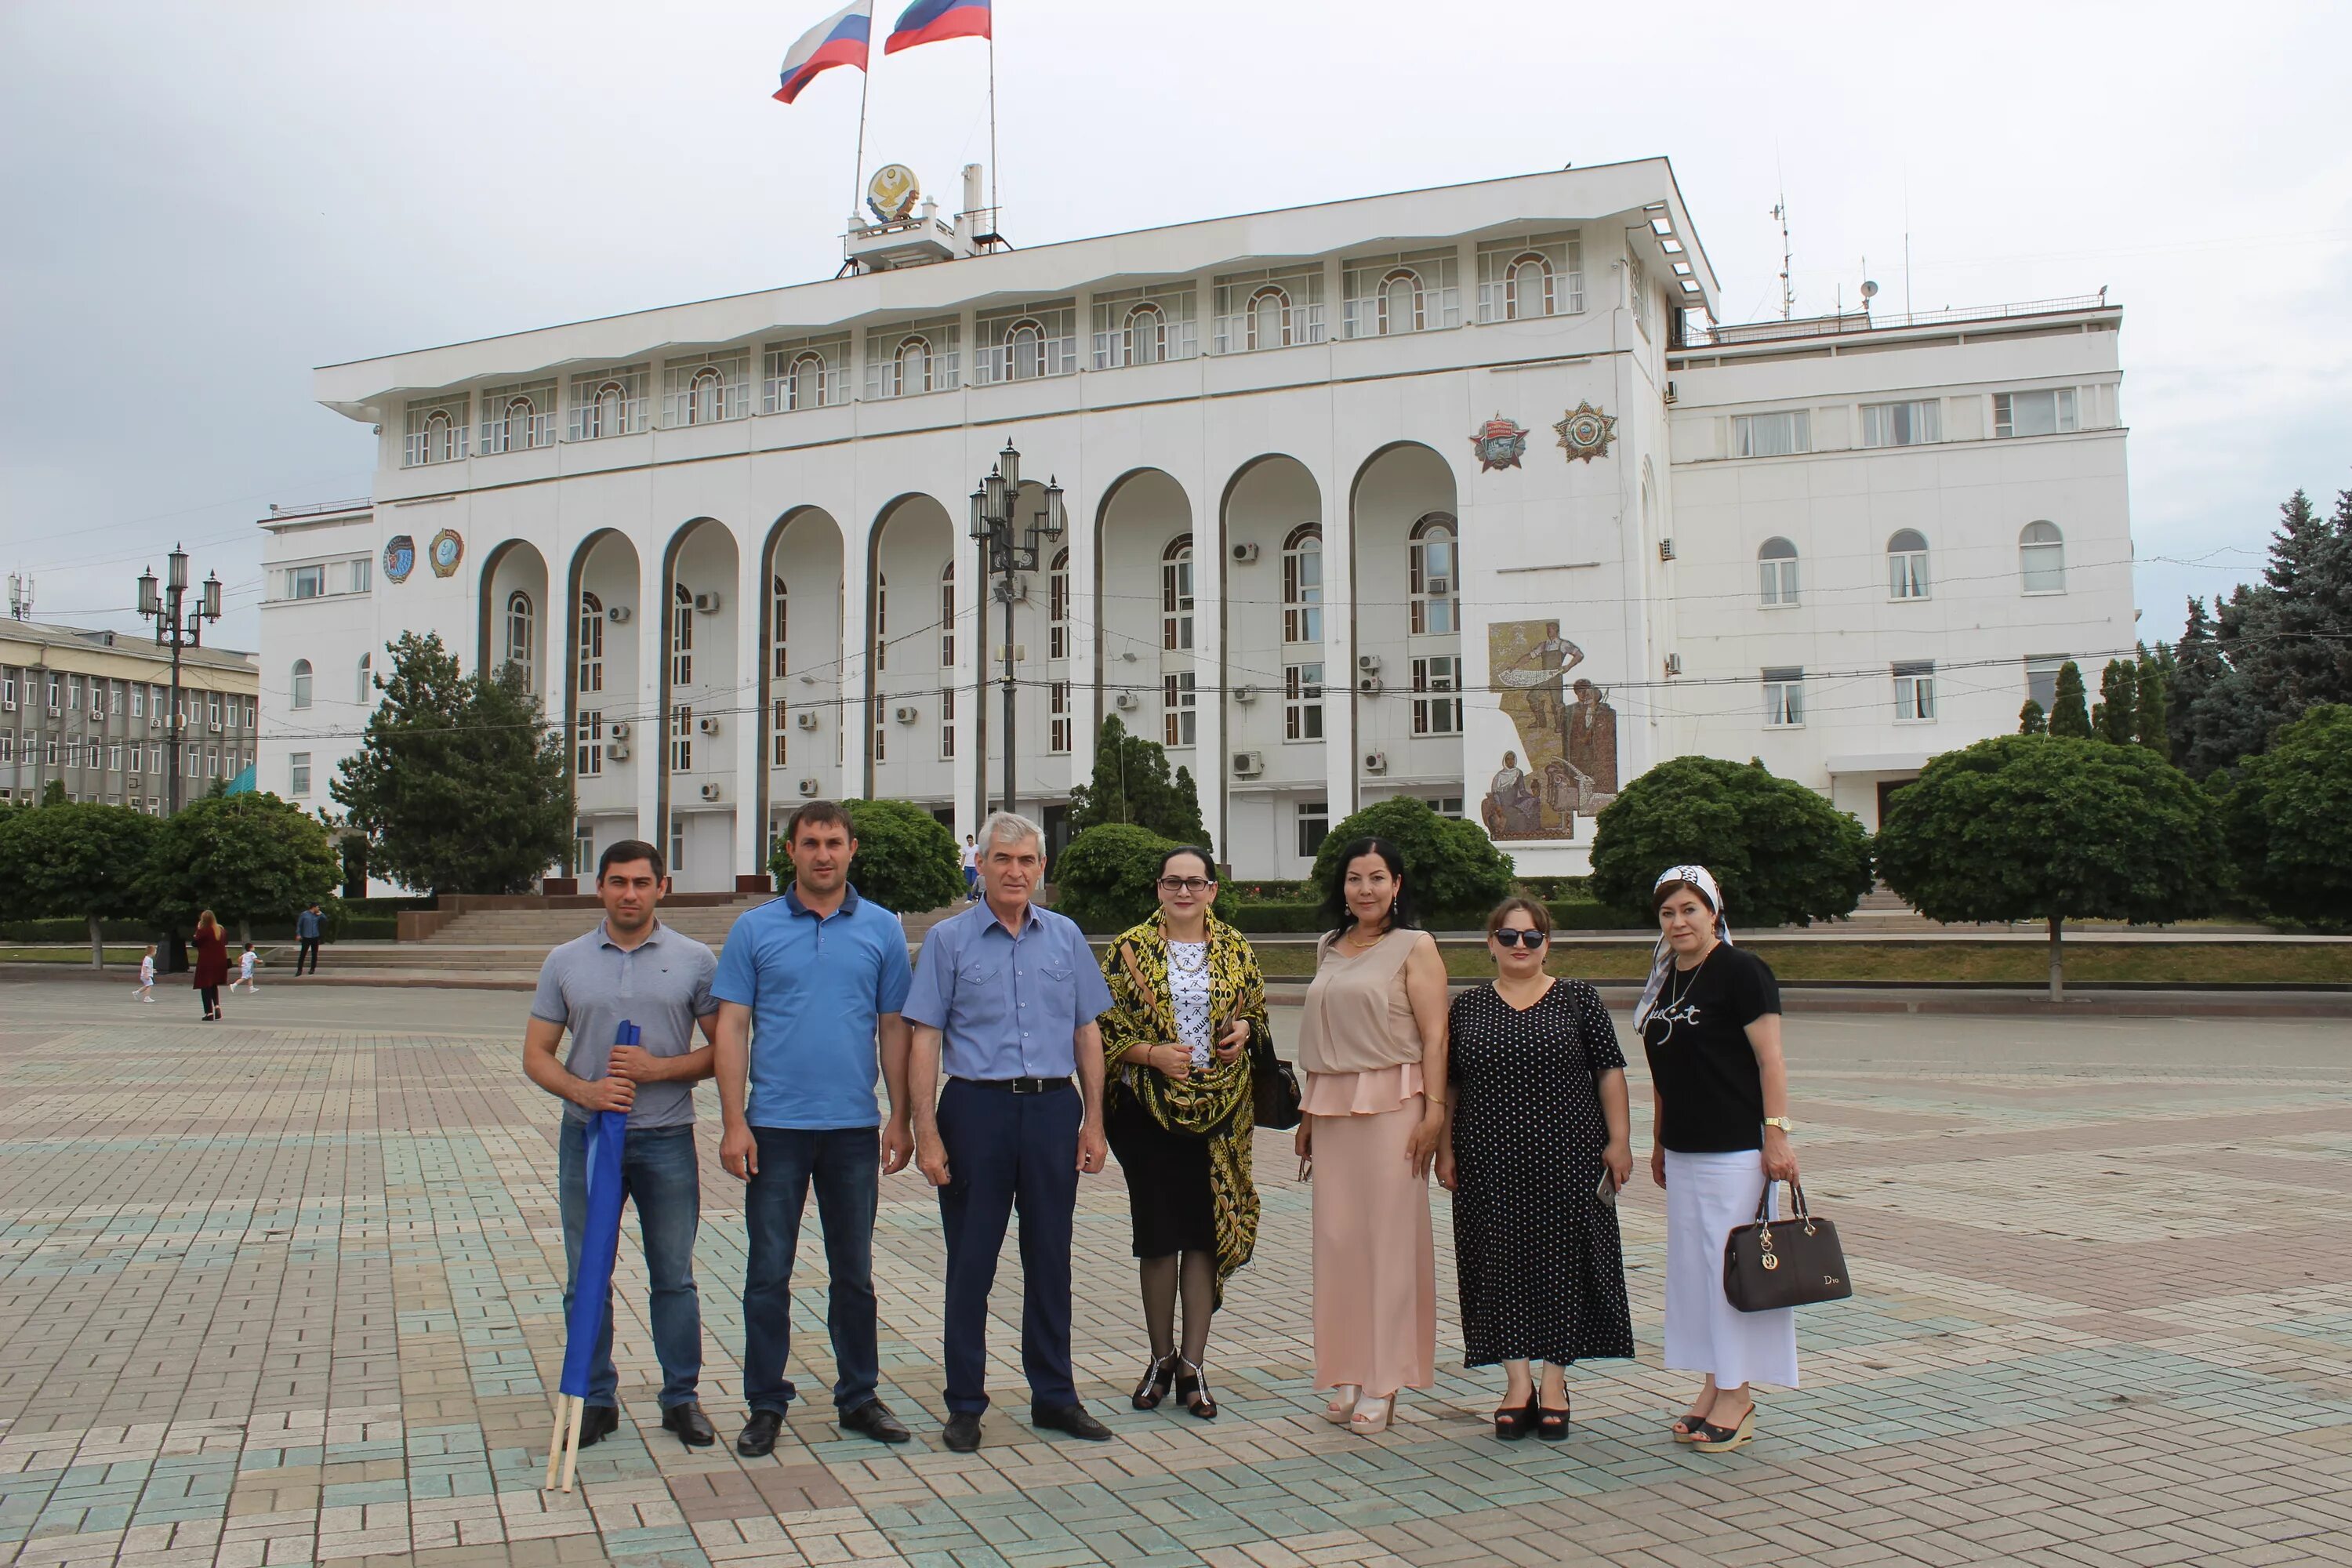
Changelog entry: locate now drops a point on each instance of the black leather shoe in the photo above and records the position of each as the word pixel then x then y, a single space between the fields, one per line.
pixel 692 1427
pixel 598 1421
pixel 962 1431
pixel 758 1437
pixel 872 1419
pixel 1074 1419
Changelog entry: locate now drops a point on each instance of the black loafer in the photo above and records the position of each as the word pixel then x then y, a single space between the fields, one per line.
pixel 962 1431
pixel 598 1421
pixel 1074 1419
pixel 758 1437
pixel 692 1427
pixel 872 1419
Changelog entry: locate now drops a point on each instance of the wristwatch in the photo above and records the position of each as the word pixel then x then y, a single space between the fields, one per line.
pixel 1780 1121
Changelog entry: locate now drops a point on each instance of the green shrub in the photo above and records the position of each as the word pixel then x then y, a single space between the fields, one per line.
pixel 1272 890
pixel 1289 918
pixel 2287 819
pixel 1782 855
pixel 907 862
pixel 1105 879
pixel 1454 872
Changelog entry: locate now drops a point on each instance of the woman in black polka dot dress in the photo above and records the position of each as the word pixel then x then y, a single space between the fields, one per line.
pixel 1539 1123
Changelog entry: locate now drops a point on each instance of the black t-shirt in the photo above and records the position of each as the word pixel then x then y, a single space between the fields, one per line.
pixel 1696 1039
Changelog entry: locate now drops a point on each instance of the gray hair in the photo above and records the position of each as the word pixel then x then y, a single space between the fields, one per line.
pixel 1010 827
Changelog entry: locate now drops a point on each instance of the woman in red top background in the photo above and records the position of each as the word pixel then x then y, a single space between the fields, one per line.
pixel 212 962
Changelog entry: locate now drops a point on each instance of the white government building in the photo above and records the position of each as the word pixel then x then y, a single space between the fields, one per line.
pixel 1448 493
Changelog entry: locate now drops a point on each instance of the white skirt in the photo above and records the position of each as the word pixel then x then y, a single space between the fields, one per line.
pixel 1706 1195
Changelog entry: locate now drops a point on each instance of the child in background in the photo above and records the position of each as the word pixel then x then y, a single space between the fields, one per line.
pixel 146 991
pixel 244 971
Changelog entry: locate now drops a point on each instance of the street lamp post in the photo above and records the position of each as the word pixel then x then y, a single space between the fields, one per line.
pixel 995 509
pixel 178 625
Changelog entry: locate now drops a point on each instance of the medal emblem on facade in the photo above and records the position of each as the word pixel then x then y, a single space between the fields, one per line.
pixel 399 557
pixel 447 551
pixel 892 191
pixel 1500 444
pixel 1586 433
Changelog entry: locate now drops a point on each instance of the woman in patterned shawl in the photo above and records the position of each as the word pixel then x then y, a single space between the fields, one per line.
pixel 1186 997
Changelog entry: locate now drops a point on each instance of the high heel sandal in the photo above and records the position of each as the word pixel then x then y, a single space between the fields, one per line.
pixel 1714 1439
pixel 1342 1410
pixel 1156 1375
pixel 1551 1425
pixel 1515 1422
pixel 1193 1389
pixel 1371 1416
pixel 1686 1425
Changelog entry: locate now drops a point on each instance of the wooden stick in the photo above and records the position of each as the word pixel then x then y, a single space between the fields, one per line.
pixel 571 1441
pixel 555 1439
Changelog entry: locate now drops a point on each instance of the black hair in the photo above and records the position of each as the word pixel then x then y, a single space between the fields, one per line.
pixel 1206 863
pixel 627 851
pixel 819 814
pixel 1336 914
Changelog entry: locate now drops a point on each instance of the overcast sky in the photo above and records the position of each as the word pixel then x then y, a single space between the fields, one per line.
pixel 200 202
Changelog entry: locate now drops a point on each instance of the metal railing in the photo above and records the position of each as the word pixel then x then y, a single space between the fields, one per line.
pixel 319 509
pixel 1865 321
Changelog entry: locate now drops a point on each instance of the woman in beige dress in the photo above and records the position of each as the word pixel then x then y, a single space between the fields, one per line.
pixel 1372 1042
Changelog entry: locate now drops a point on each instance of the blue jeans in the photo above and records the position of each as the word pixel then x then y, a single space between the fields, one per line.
pixel 660 1176
pixel 845 1164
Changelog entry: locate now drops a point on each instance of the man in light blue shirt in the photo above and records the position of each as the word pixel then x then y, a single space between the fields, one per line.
pixel 809 990
pixel 1005 998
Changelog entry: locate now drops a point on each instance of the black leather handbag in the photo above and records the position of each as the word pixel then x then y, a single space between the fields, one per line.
pixel 1791 1262
pixel 1274 1085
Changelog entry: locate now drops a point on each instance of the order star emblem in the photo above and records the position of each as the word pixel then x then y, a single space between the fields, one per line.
pixel 1585 434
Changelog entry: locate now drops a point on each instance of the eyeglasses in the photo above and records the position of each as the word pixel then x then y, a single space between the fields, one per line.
pixel 1184 884
pixel 1512 936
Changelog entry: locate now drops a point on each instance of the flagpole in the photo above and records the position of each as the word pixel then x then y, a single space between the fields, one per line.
pixel 995 217
pixel 865 85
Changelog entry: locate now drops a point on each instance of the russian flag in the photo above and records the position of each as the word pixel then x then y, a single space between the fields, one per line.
pixel 928 21
pixel 840 39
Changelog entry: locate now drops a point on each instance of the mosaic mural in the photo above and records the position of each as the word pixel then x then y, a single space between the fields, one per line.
pixel 1565 765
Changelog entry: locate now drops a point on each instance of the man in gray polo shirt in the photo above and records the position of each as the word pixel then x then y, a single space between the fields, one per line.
pixel 632 968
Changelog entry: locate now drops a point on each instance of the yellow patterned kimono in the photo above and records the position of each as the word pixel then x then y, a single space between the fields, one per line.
pixel 1215 1100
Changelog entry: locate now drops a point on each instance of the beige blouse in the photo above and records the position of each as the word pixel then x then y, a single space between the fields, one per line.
pixel 1358 1034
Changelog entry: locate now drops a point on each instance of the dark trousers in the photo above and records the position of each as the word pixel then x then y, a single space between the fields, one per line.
pixel 210 996
pixel 846 1166
pixel 660 1176
pixel 310 950
pixel 1009 1153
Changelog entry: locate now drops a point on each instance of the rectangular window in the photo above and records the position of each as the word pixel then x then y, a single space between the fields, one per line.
pixel 7 746
pixel 1531 274
pixel 137 754
pixel 584 850
pixel 517 416
pixel 1313 827
pixel 1447 806
pixel 114 758
pixel 1026 342
pixel 1772 434
pixel 298 774
pixel 881 739
pixel 306 582
pixel 1145 326
pixel 138 699
pixel 1784 699
pixel 8 691
pixel 57 688
pixel 211 708
pixel 1058 733
pixel 677 844
pixel 155 759
pixel 1902 424
pixel 1178 718
pixel 1302 701
pixel 947 724
pixel 50 752
pixel 805 373
pixel 2046 413
pixel 1271 308
pixel 1915 692
pixel 592 743
pixel 910 358
pixel 609 402
pixel 780 726
pixel 73 694
pixel 114 698
pixel 1433 715
pixel 1779 572
pixel 681 740
pixel 705 389
pixel 2042 679
pixel 435 430
pixel 1907 575
pixel 362 574
pixel 73 753
pixel 1387 295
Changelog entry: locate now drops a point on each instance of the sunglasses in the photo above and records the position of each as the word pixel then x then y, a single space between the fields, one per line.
pixel 1512 936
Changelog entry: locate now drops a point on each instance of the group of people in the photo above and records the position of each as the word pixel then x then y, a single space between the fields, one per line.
pixel 1512 1093
pixel 208 968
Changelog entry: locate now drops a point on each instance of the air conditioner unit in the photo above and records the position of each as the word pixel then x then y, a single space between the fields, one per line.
pixel 1666 550
pixel 1673 663
pixel 1437 587
pixel 620 729
pixel 1673 396
pixel 618 751
pixel 808 786
pixel 618 615
pixel 1243 554
pixel 214 726
pixel 1376 762
pixel 805 719
pixel 710 792
pixel 1368 663
pixel 1248 764
pixel 707 604
pixel 905 714
pixel 1244 694
pixel 155 723
pixel 707 726
pixel 1127 699
pixel 1368 687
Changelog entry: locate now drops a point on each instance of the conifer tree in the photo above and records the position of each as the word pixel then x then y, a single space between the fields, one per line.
pixel 2117 718
pixel 2068 715
pixel 2031 719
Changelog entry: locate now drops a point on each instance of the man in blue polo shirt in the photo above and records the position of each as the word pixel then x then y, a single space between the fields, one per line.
pixel 809 988
pixel 1006 999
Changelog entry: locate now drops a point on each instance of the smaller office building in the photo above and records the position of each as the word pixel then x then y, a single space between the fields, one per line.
pixel 92 711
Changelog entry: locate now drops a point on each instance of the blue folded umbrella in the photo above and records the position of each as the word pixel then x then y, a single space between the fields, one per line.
pixel 600 1242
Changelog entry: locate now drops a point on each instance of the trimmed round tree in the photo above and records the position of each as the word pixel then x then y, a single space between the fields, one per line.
pixel 2286 818
pixel 907 859
pixel 2045 827
pixel 1104 876
pixel 243 857
pixel 1783 854
pixel 83 861
pixel 1456 873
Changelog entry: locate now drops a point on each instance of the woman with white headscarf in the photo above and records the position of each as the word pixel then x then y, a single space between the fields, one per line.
pixel 1709 1019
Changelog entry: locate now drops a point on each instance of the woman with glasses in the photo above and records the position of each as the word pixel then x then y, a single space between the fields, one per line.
pixel 1539 1131
pixel 1186 996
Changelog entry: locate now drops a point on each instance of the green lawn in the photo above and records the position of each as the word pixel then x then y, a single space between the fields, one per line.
pixel 126 956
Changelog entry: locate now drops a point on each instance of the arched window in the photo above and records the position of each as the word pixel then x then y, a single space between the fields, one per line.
pixel 804 387
pixel 1269 319
pixel 681 636
pixel 438 433
pixel 301 683
pixel 591 642
pixel 1025 351
pixel 1057 591
pixel 912 372
pixel 1147 335
pixel 609 416
pixel 1401 301
pixel 1436 586
pixel 779 619
pixel 881 635
pixel 946 614
pixel 522 619
pixel 1906 565
pixel 1776 562
pixel 2042 558
pixel 1526 287
pixel 1302 584
pixel 367 676
pixel 520 413
pixel 1176 593
pixel 702 396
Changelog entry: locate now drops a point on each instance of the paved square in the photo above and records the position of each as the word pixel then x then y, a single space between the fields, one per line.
pixel 287 1290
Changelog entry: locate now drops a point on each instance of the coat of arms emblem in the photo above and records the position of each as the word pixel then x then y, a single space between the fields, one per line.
pixel 1500 443
pixel 399 557
pixel 1586 433
pixel 447 551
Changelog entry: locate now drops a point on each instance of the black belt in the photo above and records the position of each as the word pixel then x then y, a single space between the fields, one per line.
pixel 1018 1085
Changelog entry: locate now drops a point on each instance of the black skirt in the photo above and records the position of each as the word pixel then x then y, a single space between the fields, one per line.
pixel 1167 1174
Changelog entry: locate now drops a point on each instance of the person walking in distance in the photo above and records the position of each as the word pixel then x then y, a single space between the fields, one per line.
pixel 632 968
pixel 307 926
pixel 809 989
pixel 145 990
pixel 211 966
pixel 1005 997
pixel 970 870
pixel 244 966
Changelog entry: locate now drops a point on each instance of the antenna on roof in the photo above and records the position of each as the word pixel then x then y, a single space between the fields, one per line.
pixel 1788 294
pixel 20 595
